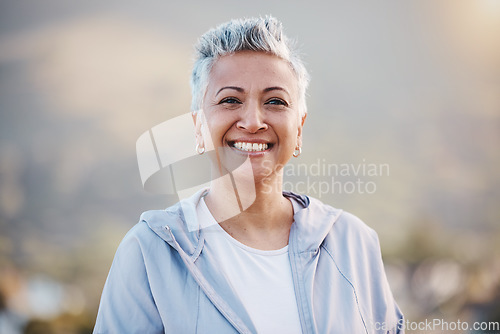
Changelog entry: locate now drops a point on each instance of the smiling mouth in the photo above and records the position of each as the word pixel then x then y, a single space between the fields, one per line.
pixel 250 147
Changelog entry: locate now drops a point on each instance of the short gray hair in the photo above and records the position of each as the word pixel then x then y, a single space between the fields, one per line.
pixel 254 34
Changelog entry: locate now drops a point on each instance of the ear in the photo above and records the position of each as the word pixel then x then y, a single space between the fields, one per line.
pixel 299 133
pixel 197 126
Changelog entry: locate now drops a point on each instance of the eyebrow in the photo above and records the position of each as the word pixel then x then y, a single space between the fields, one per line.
pixel 275 88
pixel 241 90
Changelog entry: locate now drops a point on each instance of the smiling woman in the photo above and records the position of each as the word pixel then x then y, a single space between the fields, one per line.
pixel 260 260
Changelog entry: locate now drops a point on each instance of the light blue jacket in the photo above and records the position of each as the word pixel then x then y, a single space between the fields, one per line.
pixel 163 280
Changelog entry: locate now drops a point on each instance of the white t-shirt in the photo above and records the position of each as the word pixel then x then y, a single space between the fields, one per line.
pixel 262 279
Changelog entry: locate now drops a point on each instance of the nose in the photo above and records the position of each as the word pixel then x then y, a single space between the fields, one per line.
pixel 252 119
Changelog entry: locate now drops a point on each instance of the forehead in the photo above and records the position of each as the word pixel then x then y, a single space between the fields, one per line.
pixel 250 69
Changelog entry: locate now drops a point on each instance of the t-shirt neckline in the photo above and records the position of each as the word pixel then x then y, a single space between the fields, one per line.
pixel 217 228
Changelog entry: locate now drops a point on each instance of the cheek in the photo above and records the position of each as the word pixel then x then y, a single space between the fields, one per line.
pixel 289 140
pixel 292 131
pixel 215 130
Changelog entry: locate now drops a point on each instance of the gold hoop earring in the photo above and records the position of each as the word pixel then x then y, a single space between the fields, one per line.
pixel 200 150
pixel 297 152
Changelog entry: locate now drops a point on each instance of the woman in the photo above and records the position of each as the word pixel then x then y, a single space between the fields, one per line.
pixel 257 260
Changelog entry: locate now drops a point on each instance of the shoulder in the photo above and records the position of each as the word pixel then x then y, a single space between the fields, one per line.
pixel 350 231
pixel 143 232
pixel 148 238
pixel 355 249
pixel 137 248
pixel 350 242
pixel 155 231
pixel 335 226
pixel 341 225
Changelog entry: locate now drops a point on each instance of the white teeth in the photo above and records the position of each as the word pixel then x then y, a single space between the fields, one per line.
pixel 250 147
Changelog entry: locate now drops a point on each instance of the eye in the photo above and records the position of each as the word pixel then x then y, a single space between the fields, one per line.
pixel 230 100
pixel 277 101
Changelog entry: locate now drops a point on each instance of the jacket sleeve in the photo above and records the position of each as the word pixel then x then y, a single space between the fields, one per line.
pixel 356 251
pixel 127 304
pixel 383 314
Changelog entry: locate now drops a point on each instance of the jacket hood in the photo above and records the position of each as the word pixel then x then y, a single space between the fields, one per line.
pixel 312 222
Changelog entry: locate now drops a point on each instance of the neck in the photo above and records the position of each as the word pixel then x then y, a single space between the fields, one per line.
pixel 254 213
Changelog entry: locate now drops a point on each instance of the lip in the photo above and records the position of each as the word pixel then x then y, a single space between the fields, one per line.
pixel 250 140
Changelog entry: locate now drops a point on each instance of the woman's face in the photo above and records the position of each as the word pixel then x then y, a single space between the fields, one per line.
pixel 251 110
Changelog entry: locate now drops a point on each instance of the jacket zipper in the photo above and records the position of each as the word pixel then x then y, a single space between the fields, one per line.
pixel 300 294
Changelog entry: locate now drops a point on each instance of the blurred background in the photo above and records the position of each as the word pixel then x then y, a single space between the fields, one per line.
pixel 410 85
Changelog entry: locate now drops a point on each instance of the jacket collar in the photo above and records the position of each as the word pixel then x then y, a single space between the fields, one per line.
pixel 312 222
